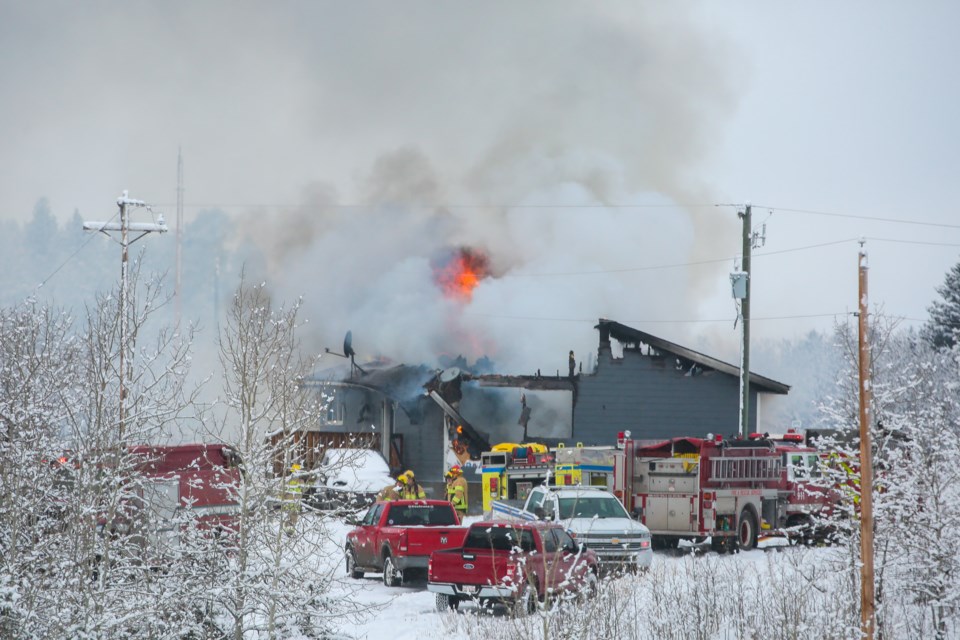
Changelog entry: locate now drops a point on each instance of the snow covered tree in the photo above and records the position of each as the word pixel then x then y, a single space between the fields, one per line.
pixel 943 328
pixel 76 558
pixel 37 356
pixel 916 493
pixel 279 579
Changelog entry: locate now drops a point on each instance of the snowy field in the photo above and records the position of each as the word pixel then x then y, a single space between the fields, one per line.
pixel 409 612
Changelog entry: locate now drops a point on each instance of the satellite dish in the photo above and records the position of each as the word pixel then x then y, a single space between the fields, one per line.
pixel 348 345
pixel 449 375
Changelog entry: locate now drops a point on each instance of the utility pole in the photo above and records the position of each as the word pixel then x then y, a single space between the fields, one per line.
pixel 177 290
pixel 124 227
pixel 745 327
pixel 740 281
pixel 867 609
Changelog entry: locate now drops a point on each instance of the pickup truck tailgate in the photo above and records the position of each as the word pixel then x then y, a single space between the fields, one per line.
pixel 423 540
pixel 468 567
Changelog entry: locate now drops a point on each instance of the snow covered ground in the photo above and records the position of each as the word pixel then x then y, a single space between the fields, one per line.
pixel 409 612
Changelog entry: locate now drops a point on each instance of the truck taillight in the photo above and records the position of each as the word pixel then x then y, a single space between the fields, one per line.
pixel 429 566
pixel 567 480
pixel 511 569
pixel 707 496
pixel 403 541
pixel 494 486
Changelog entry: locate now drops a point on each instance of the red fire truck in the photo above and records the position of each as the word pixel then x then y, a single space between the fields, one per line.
pixel 728 490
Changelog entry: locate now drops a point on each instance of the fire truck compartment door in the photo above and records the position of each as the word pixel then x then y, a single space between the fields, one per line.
pixel 669 513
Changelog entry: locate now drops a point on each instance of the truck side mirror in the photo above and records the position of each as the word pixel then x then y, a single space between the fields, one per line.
pixel 540 513
pixel 637 513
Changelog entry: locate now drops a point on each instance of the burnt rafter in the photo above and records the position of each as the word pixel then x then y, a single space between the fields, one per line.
pixel 526 382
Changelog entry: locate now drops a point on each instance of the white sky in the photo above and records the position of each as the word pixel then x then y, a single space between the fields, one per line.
pixel 846 108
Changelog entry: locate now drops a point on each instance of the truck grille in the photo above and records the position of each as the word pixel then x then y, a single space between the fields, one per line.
pixel 623 545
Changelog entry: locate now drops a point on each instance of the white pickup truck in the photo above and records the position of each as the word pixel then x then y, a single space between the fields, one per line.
pixel 594 517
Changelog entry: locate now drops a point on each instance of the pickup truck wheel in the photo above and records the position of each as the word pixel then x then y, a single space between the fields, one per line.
pixel 589 587
pixel 591 584
pixel 392 576
pixel 352 570
pixel 526 603
pixel 447 603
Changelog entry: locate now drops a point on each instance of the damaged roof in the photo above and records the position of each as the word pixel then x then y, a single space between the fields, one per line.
pixel 629 335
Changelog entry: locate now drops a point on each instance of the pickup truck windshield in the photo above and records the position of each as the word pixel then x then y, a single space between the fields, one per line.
pixel 591 507
pixel 418 514
pixel 499 539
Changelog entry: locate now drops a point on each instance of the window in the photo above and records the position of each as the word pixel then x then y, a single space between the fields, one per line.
pixel 565 541
pixel 607 507
pixel 549 540
pixel 798 466
pixel 373 515
pixel 333 397
pixel 813 463
pixel 499 539
pixel 536 499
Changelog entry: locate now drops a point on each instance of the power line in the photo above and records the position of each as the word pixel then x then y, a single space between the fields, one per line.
pixel 494 205
pixel 675 265
pixel 921 242
pixel 861 217
pixel 71 257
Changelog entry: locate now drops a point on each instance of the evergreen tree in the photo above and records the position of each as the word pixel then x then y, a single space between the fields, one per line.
pixel 943 328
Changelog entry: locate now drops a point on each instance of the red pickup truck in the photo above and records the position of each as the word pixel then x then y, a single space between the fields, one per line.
pixel 514 563
pixel 395 537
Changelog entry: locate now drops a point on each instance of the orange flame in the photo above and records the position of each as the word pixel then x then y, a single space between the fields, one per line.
pixel 460 274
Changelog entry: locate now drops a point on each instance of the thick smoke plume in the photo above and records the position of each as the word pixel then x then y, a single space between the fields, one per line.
pixel 560 114
pixel 409 130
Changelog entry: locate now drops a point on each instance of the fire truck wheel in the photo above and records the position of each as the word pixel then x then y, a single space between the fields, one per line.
pixel 747 530
pixel 392 576
pixel 352 570
pixel 590 587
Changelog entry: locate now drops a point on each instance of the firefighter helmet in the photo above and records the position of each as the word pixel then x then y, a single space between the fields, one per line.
pixel 456 470
pixel 294 467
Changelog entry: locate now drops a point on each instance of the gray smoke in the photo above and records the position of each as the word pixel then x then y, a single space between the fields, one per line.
pixel 509 112
pixel 439 124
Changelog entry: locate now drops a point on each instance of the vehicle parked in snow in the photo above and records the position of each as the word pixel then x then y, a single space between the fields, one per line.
pixel 165 490
pixel 594 517
pixel 398 536
pixel 512 563
pixel 347 479
pixel 200 481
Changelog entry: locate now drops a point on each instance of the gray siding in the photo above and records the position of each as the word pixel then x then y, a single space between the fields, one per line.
pixel 648 396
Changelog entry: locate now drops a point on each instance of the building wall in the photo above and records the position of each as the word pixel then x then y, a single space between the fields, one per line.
pixel 358 410
pixel 648 396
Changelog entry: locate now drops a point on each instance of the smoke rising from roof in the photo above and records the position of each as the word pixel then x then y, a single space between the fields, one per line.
pixel 509 112
pixel 441 125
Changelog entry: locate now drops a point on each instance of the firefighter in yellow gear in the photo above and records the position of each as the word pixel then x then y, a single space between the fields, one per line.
pixel 393 491
pixel 411 488
pixel 457 490
pixel 293 492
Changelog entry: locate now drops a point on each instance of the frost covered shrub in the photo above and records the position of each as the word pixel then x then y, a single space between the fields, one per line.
pixel 795 594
